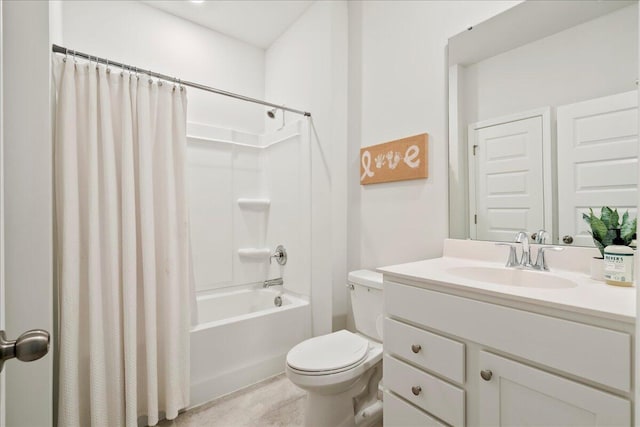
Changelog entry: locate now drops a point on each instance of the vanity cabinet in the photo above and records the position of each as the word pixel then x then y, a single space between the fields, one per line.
pixel 455 358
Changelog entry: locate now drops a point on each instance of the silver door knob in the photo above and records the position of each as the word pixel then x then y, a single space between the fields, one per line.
pixel 416 348
pixel 486 374
pixel 30 346
pixel 567 239
pixel 416 389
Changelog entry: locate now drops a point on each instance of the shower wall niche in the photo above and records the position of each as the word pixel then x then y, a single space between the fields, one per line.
pixel 247 194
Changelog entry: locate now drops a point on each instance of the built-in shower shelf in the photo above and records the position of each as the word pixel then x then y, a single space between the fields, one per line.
pixel 254 253
pixel 254 204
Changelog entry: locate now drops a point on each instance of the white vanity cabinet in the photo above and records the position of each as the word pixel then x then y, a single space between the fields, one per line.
pixel 454 357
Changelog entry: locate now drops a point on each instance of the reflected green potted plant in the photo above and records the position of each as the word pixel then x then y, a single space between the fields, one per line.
pixel 603 231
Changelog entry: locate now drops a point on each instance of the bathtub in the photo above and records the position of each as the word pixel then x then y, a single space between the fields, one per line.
pixel 242 337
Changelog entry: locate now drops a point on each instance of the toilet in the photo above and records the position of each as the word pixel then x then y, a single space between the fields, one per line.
pixel 341 371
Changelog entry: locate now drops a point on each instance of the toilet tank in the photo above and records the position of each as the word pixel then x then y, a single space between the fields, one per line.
pixel 366 301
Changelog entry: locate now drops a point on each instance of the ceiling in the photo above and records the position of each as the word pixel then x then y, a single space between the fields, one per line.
pixel 255 22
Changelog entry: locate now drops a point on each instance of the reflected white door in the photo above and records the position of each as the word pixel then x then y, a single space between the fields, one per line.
pixel 508 179
pixel 597 160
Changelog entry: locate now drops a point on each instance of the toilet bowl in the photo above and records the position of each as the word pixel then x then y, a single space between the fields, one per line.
pixel 341 371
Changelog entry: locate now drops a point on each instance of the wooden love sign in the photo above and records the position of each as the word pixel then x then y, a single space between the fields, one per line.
pixel 397 160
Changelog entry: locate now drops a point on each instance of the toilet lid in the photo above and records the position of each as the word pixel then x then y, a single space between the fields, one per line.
pixel 328 352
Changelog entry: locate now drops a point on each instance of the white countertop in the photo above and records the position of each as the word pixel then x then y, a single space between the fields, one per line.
pixel 589 297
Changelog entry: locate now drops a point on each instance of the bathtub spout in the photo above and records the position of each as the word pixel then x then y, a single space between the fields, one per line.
pixel 273 282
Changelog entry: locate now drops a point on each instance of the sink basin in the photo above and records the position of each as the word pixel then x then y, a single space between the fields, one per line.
pixel 513 277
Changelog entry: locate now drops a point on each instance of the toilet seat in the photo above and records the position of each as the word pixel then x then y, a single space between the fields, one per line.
pixel 328 354
pixel 328 382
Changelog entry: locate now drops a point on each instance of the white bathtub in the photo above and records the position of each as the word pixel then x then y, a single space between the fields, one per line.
pixel 242 337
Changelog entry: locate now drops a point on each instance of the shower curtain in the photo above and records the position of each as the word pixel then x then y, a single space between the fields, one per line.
pixel 121 246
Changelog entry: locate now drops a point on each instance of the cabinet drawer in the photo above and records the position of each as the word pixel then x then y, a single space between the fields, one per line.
pixel 438 397
pixel 398 413
pixel 431 351
pixel 595 353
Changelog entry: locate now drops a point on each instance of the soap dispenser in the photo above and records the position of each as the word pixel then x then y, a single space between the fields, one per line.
pixel 618 263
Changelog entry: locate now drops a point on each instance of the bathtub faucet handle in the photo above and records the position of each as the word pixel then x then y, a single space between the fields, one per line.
pixel 280 255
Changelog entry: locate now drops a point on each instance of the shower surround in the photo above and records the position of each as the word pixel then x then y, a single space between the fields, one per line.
pixel 247 194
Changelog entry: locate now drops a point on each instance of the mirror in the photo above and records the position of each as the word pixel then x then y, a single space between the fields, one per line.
pixel 543 120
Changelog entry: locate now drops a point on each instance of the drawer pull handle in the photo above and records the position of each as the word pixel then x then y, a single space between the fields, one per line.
pixel 416 389
pixel 416 348
pixel 486 374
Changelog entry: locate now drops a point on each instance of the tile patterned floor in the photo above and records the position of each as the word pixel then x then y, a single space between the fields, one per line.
pixel 275 402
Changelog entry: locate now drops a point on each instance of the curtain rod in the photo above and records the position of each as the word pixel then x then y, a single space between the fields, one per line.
pixel 74 53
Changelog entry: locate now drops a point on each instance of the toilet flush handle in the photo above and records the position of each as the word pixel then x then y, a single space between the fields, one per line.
pixel 416 348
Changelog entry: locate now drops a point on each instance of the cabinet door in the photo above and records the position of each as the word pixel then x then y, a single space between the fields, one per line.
pixel 513 394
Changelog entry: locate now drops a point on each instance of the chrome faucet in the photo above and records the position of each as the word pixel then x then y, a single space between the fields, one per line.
pixel 525 259
pixel 512 261
pixel 523 238
pixel 541 263
pixel 541 236
pixel 273 282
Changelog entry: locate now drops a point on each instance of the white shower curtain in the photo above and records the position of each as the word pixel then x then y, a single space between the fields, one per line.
pixel 122 246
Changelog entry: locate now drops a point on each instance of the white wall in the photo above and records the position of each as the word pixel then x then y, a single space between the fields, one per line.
pixel 591 60
pixel 401 90
pixel 137 34
pixel 306 69
pixel 390 58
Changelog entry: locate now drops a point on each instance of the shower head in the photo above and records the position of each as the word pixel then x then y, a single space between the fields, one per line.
pixel 271 113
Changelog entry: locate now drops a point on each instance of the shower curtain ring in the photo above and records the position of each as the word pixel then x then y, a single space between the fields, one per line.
pixel 108 70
